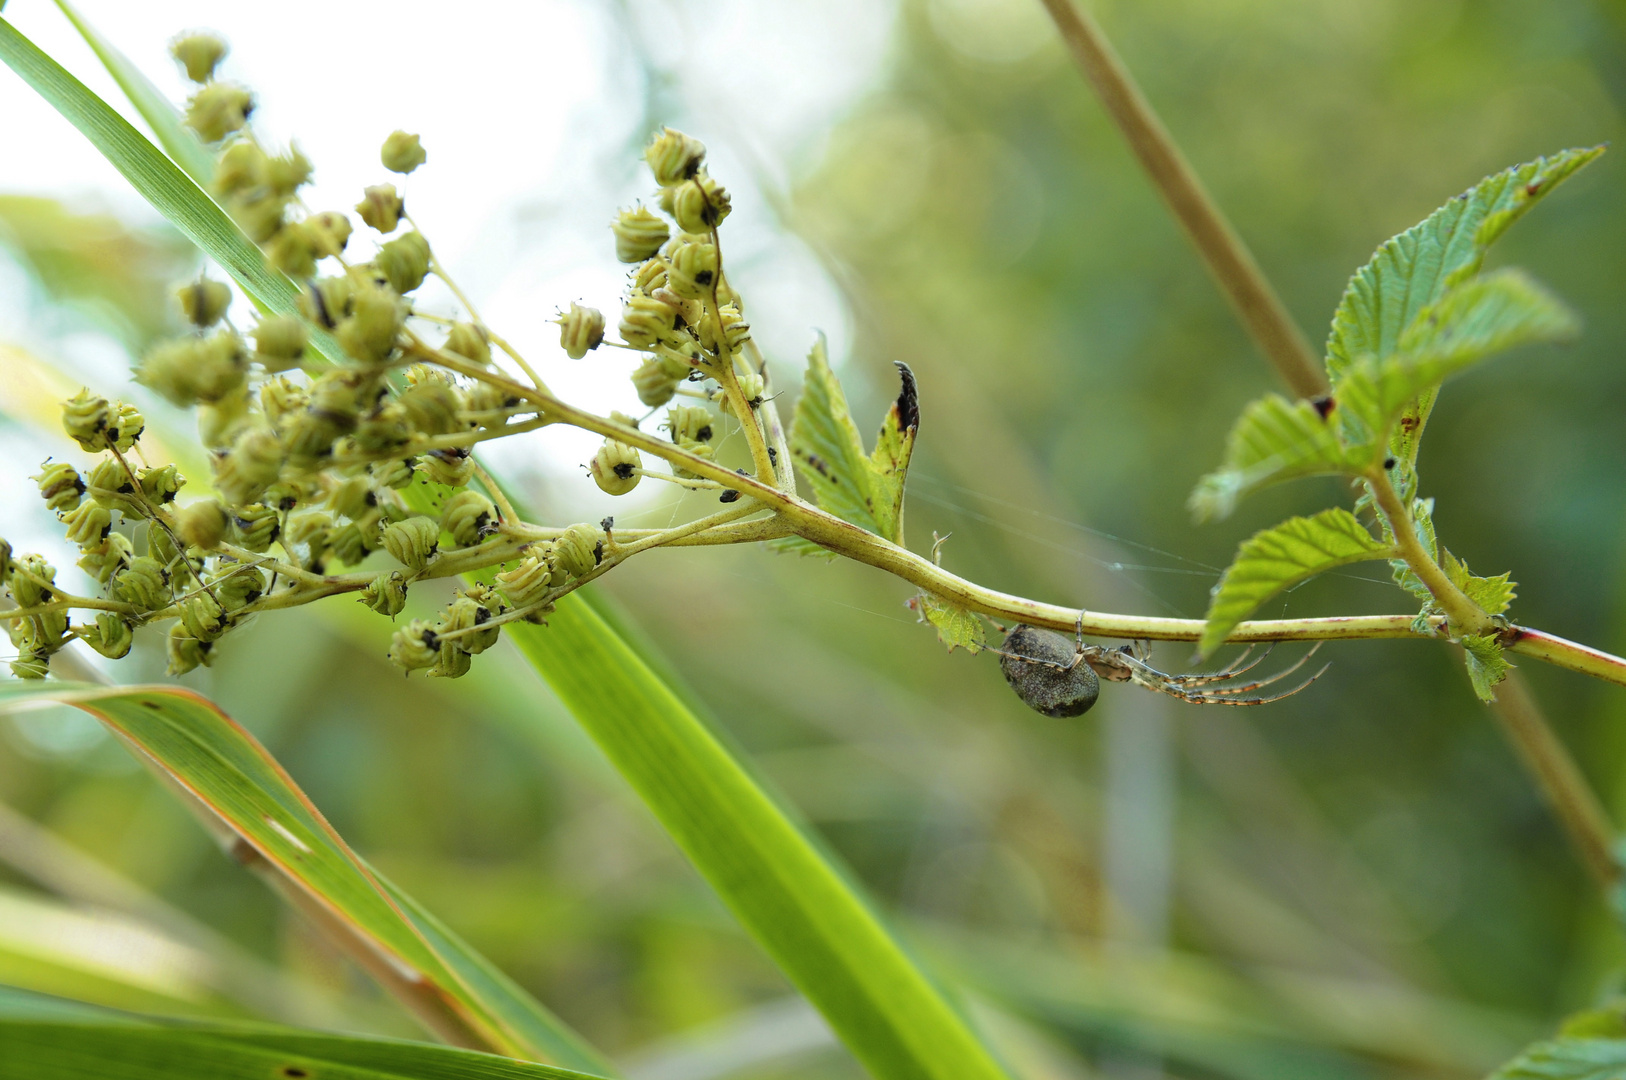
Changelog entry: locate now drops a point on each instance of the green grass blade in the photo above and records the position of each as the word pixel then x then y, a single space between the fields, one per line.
pixel 158 179
pixel 45 1039
pixel 179 143
pixel 241 791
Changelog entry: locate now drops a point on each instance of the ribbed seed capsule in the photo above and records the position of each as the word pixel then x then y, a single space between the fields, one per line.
pixel 412 542
pixel 110 485
pixel 326 301
pixel 238 586
pixel 204 301
pixel 31 665
pixel 654 382
pixel 190 370
pixel 185 651
pixel 144 584
pixel 279 344
pixel 110 557
pixel 256 527
pixel 576 552
pixel 650 275
pixel 126 426
pixel 330 233
pixel 376 317
pixel 380 208
pixel 386 593
pixel 289 172
pixel 404 261
pixel 347 544
pixel 352 497
pixel 673 156
pixel 615 468
pixel 466 516
pixel 580 330
pixel 402 152
pixel 293 250
pixel 217 110
pixel 241 167
pixel 452 467
pixel 201 525
pixel 432 407
pixel 222 420
pixel 736 331
pixel 527 583
pixel 281 397
pixel 198 55
pixel 645 320
pixel 85 417
pixel 453 662
pixel 690 423
pixel 414 646
pixel 203 618
pixel 60 485
pixel 699 449
pixel 692 269
pixel 639 234
pixel 394 474
pixel 470 342
pixel 111 636
pixel 700 204
pixel 254 463
pixel 88 524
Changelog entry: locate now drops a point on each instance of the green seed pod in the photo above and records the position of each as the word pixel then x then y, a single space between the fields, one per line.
pixel 308 527
pixel 402 152
pixel 414 646
pixel 576 552
pixel 412 542
pixel 111 635
pixel 32 579
pixel 646 320
pixel 259 213
pixel 432 407
pixel 700 205
pixel 452 467
pixel 198 54
pixel 394 474
pixel 751 386
pixel 254 463
pixel 690 423
pixel 380 208
pixel 241 167
pixel 187 652
pixel 221 421
pixel 126 426
pixel 201 525
pixel 527 583
pixel 293 250
pixel 466 516
pixel 204 301
pixel 217 110
pixel 31 665
pixel 86 418
pixel 144 584
pixel 256 527
pixel 352 497
pixel 615 468
pixel 162 548
pixel 1061 685
pixel 280 398
pixel 650 275
pixel 638 234
pixel 346 543
pixel 580 330
pixel 160 484
pixel 674 157
pixel 60 485
pixel 453 662
pixel 470 342
pixel 326 301
pixel 699 449
pixel 110 485
pixel 203 618
pixel 346 393
pixel 386 593
pixel 238 586
pixel 485 398
pixel 404 262
pixel 654 384
pixel 386 428
pixel 279 344
pixel 330 232
pixel 288 173
pixel 376 318
pixel 692 270
pixel 89 524
pixel 102 561
pixel 190 370
pixel 309 435
pixel 736 331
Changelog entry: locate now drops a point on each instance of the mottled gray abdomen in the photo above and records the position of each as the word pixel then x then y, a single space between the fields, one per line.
pixel 1047 689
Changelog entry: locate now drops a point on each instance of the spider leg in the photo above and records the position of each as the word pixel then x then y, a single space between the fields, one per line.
pixel 1243 688
pixel 1231 670
pixel 1194 689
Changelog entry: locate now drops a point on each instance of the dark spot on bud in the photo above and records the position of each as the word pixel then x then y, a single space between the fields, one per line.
pixel 773 455
pixel 294 1072
pixel 608 523
pixel 431 639
pixel 623 470
pixel 598 553
pixel 1388 463
pixel 704 434
pixel 703 278
pixel 1324 405
pixel 126 488
pixel 728 496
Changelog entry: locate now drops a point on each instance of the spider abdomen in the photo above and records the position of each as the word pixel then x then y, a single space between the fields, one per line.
pixel 1048 672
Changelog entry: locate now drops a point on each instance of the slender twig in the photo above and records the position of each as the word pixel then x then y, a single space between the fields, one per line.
pixel 1464 616
pixel 1228 258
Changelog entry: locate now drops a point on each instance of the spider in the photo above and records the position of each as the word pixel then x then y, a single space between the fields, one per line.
pixel 1059 678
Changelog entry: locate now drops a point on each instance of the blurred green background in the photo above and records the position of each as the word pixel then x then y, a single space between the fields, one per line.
pixel 1358 881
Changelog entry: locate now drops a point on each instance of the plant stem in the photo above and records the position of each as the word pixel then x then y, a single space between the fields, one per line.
pixel 1463 615
pixel 1561 781
pixel 1228 258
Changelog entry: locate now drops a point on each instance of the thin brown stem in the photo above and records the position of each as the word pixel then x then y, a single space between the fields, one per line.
pixel 1227 256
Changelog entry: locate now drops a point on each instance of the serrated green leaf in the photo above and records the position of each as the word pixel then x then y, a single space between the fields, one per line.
pixel 1486 666
pixel 1494 594
pixel 1279 557
pixel 863 489
pixel 957 627
pixel 160 181
pixel 1422 514
pixel 1472 321
pixel 1413 270
pixel 1274 440
pixel 243 794
pixel 177 140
